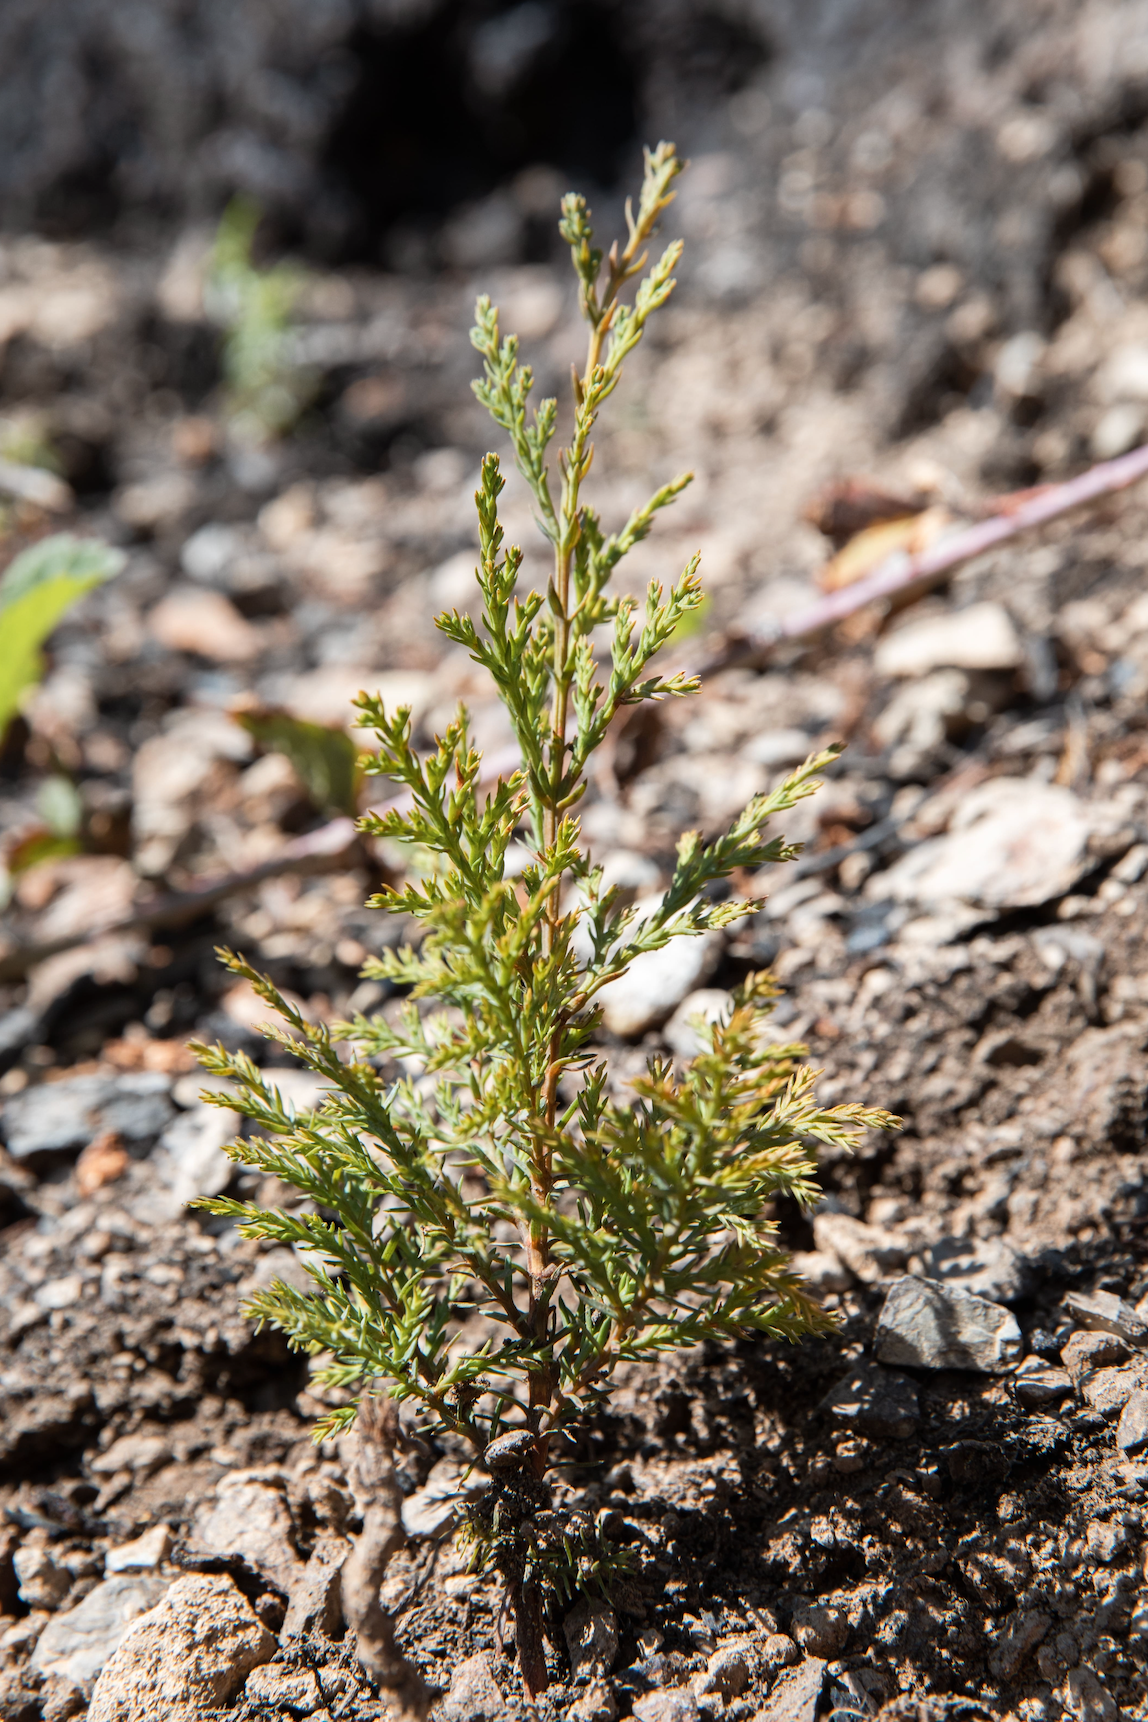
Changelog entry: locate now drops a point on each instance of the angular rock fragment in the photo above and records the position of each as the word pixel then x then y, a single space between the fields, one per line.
pixel 1104 1312
pixel 185 1657
pixel 315 1603
pixel 925 1325
pixel 77 1644
pixel 249 1517
pixel 474 1696
pixel 869 1252
pixel 591 1632
pixel 667 1704
pixel 1132 1429
pixel 797 1694
pixel 1018 1638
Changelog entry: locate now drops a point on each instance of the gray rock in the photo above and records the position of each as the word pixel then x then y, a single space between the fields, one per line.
pixel 779 1651
pixel 925 1325
pixel 595 1703
pixel 39 1581
pixel 1016 1640
pixel 139 1452
pixel 190 1158
pixel 1109 1390
pixel 874 1402
pixel 704 1004
pixel 797 1694
pixel 249 1517
pixel 142 1554
pixel 989 1267
pixel 1104 1312
pixel 55 1117
pixel 1086 1697
pixel 436 1508
pixel 474 1696
pixel 185 1657
pixel 820 1630
pixel 140 1106
pixel 728 1671
pixel 1038 1383
pixel 980 637
pixel 1084 1352
pixel 284 1691
pixel 1132 1429
pixel 591 1631
pixel 77 1644
pixel 1106 1541
pixel 315 1603
pixel 668 1704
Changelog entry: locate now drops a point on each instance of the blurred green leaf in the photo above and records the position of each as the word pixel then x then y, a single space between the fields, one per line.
pixel 60 806
pixel 37 588
pixel 325 758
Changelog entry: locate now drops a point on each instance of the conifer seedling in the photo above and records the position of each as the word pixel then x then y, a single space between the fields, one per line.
pixel 494 1230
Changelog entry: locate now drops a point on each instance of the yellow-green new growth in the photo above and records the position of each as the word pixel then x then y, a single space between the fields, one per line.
pixel 500 1182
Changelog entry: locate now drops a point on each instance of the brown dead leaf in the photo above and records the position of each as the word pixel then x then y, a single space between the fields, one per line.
pixel 869 548
pixel 103 1161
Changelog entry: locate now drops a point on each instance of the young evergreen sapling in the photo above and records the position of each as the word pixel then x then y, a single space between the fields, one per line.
pixel 499 1184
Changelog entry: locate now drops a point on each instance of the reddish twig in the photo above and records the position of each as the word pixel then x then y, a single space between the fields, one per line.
pixel 902 572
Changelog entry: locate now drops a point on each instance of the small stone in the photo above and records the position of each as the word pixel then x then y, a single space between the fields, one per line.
pixel 1104 1312
pixel 77 1644
pixel 797 1694
pixel 316 1603
pixel 436 1508
pixel 1086 1351
pixel 39 1581
pixel 849 1457
pixel 1106 1541
pixel 778 1650
pixel 55 1117
pixel 249 1517
pixel 928 1326
pixel 186 1656
pixel 869 1252
pixel 60 1700
pixel 142 1554
pixel 201 620
pixel 595 1704
pixel 283 1689
pixel 190 1158
pixel 819 1630
pixel 656 983
pixel 705 1004
pixel 473 1695
pixel 874 1402
pixel 1084 1696
pixel 668 1704
pixel 591 1631
pixel 1019 1636
pixel 1109 1390
pixel 140 1452
pixel 1132 1429
pixel 1038 1383
pixel 728 1671
pixel 821 1270
pixel 980 637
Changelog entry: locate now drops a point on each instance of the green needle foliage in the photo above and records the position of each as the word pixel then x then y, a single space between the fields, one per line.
pixel 492 1233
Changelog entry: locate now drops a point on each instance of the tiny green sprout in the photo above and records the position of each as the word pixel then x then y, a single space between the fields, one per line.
pixel 267 391
pixel 491 1228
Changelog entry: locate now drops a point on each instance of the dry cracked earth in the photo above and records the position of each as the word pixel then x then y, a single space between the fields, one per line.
pixel 938 1512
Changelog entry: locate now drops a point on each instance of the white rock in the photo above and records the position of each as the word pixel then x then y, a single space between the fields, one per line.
pixel 187 1656
pixel 77 1644
pixel 139 1452
pixel 249 1517
pixel 710 1004
pixel 924 1325
pixel 142 1553
pixel 657 982
pixel 473 1695
pixel 1014 843
pixel 981 637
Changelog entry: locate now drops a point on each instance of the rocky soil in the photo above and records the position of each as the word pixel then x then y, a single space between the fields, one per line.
pixel 918 259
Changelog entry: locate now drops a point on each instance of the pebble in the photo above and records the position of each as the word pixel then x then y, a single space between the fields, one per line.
pixel 1104 1312
pixel 990 1267
pixel 292 1691
pixel 728 1671
pixel 925 1325
pixel 249 1517
pixel 656 983
pixel 1109 1390
pixel 55 1117
pixel 142 1554
pixel 190 1158
pixel 1038 1383
pixel 1132 1429
pixel 875 1402
pixel 869 1252
pixel 316 1598
pixel 1019 1636
pixel 1106 1541
pixel 981 637
pixel 139 1452
pixel 187 1655
pixel 797 1694
pixel 596 1703
pixel 39 1581
pixel 201 620
pixel 668 1704
pixel 1083 1352
pixel 77 1644
pixel 710 1004
pixel 1084 1696
pixel 820 1630
pixel 591 1631
pixel 778 1650
pixel 474 1695
pixel 435 1509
